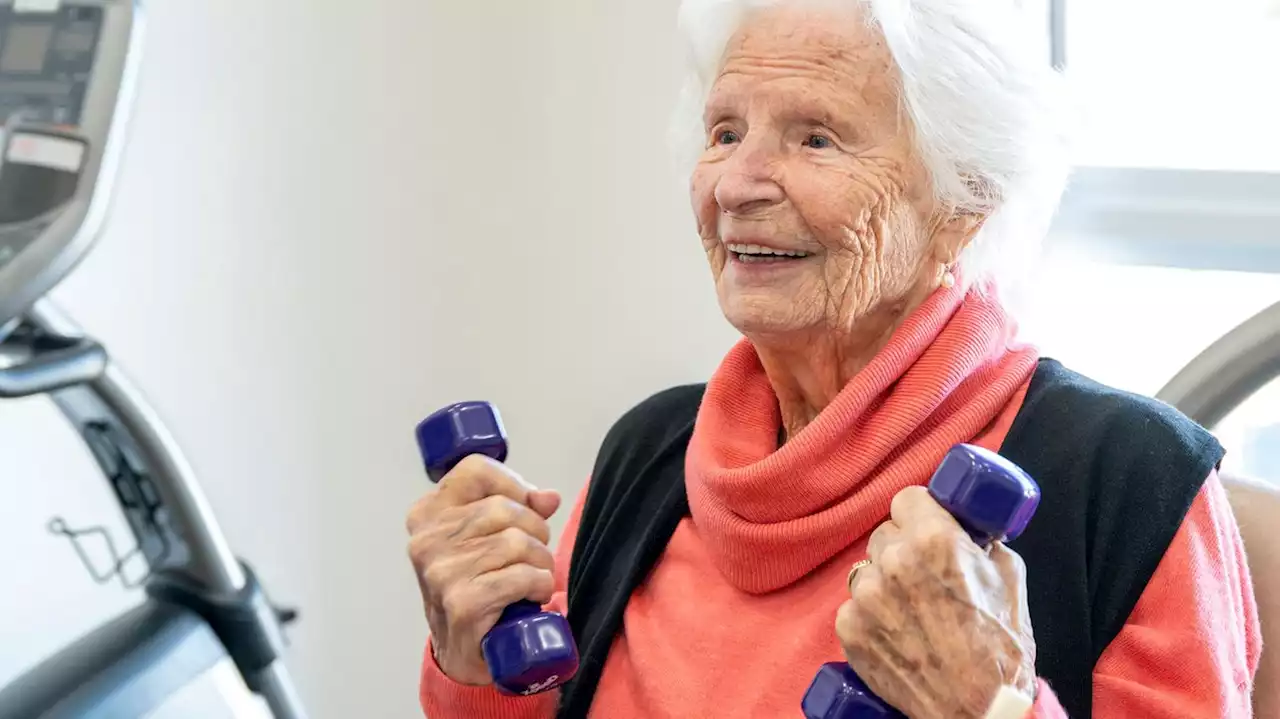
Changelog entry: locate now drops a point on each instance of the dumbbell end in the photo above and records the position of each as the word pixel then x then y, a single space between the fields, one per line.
pixel 989 495
pixel 838 693
pixel 530 651
pixel 459 430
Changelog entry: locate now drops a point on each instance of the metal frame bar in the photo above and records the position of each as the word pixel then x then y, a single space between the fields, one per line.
pixel 1172 218
pixel 1229 371
pixel 1058 34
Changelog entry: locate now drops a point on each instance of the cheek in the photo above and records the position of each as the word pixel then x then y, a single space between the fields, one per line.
pixel 702 196
pixel 858 216
pixel 836 207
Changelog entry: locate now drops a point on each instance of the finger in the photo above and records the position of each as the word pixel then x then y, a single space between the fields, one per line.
pixel 420 513
pixel 880 539
pixel 847 627
pixel 915 507
pixel 859 589
pixel 477 477
pixel 488 554
pixel 482 478
pixel 516 582
pixel 1009 563
pixel 478 603
pixel 472 479
pixel 860 619
pixel 1013 574
pixel 496 513
pixel 545 502
pixel 508 547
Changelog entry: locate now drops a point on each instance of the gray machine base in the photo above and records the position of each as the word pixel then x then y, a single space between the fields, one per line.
pixel 123 669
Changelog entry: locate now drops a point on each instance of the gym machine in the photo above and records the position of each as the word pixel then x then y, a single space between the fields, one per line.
pixel 67 72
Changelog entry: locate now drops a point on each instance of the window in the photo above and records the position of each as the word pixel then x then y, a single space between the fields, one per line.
pixel 1176 83
pixel 1173 214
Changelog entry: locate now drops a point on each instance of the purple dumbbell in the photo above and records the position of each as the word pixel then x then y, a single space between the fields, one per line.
pixel 528 650
pixel 993 499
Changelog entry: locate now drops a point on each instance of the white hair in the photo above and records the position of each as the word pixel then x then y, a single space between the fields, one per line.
pixel 986 107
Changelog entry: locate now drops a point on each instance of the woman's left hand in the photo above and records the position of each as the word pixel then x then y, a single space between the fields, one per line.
pixel 936 624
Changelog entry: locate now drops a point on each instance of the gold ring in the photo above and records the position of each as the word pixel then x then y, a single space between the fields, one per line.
pixel 854 570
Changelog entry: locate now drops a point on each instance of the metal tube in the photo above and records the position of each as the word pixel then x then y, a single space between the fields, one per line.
pixel 6 328
pixel 52 370
pixel 276 687
pixel 211 560
pixel 1230 371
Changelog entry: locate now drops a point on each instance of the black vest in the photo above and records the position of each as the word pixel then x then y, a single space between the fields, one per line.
pixel 1118 473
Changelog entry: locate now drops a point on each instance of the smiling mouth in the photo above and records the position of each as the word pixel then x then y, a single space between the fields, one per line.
pixel 756 253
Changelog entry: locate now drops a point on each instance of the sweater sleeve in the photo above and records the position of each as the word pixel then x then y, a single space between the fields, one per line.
pixel 443 698
pixel 1191 647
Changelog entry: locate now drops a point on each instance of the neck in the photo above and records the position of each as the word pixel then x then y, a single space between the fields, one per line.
pixel 807 370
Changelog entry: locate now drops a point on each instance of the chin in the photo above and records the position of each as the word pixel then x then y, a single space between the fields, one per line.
pixel 758 319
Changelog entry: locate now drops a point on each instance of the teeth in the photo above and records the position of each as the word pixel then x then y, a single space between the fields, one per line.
pixel 758 250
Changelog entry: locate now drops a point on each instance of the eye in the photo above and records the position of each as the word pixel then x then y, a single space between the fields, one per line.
pixel 818 142
pixel 726 137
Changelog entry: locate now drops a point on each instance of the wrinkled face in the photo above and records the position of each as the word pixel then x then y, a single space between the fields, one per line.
pixel 813 207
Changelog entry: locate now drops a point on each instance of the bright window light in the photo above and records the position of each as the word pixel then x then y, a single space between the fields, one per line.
pixel 1176 83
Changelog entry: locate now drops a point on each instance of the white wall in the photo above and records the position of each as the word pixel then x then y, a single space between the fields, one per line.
pixel 333 218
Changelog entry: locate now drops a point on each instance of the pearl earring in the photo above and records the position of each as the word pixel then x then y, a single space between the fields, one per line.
pixel 948 278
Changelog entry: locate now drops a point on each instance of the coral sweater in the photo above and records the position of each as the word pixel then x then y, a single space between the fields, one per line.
pixel 739 612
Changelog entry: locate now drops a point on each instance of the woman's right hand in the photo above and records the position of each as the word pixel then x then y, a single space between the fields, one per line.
pixel 478 542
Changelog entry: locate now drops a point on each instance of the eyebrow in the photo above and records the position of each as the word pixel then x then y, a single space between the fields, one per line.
pixel 816 112
pixel 716 96
pixel 843 116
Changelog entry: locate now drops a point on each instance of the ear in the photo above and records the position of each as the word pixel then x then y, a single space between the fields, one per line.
pixel 955 234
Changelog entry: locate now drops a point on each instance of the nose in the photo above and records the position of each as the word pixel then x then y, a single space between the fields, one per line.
pixel 748 182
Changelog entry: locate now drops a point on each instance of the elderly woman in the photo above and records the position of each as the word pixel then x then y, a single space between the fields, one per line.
pixel 865 169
